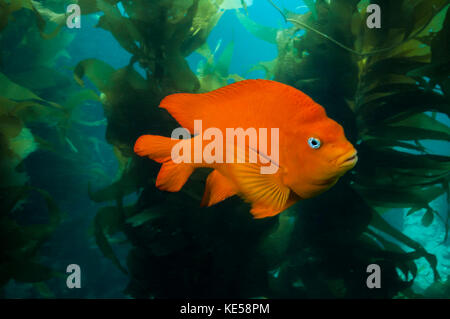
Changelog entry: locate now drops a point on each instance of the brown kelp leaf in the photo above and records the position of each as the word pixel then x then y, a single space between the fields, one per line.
pixel 122 28
pixel 206 17
pixel 181 76
pixel 31 272
pixel 110 219
pixel 10 126
pixel 128 183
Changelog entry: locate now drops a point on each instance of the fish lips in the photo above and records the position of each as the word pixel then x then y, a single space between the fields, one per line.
pixel 348 160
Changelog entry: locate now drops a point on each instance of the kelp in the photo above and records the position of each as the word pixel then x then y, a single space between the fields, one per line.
pixel 371 81
pixel 213 72
pixel 20 243
pixel 384 87
pixel 35 99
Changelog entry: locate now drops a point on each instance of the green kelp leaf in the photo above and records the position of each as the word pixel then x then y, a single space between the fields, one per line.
pixel 101 122
pixel 39 78
pixel 129 182
pixel 399 66
pixel 41 232
pixel 15 194
pixel 267 66
pixel 90 6
pixel 265 33
pixel 380 223
pixel 427 218
pixel 146 216
pixel 386 81
pixel 10 126
pixel 412 210
pixel 399 198
pixel 206 17
pixel 406 104
pixel 44 290
pixel 43 15
pixel 224 61
pixel 396 159
pixel 407 133
pixel 98 72
pixel 104 245
pixel 79 97
pixel 55 214
pixel 424 12
pixel 440 46
pixel 380 143
pixel 181 29
pixel 424 121
pixel 7 7
pixel 205 51
pixel 403 261
pixel 311 4
pixel 11 90
pixel 399 178
pixel 26 105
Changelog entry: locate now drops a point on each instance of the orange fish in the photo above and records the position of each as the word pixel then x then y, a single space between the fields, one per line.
pixel 313 151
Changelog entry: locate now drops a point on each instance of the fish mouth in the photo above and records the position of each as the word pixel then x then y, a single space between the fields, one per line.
pixel 349 159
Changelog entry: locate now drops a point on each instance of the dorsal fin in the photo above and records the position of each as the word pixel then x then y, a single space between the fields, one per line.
pixel 250 99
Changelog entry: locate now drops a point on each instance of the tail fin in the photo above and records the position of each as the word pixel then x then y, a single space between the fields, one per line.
pixel 158 148
pixel 172 176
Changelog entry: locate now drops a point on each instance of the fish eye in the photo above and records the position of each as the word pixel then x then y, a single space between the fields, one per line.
pixel 314 142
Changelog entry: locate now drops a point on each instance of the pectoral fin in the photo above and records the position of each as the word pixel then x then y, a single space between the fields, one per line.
pixel 262 211
pixel 266 192
pixel 262 190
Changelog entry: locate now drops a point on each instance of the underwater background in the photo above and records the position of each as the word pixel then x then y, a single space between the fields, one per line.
pixel 74 100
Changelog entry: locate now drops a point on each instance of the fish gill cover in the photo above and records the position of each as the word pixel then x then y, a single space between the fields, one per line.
pixel 388 87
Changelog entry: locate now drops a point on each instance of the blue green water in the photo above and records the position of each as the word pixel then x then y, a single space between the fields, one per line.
pixel 86 158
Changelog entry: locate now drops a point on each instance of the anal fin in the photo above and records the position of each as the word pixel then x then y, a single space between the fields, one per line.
pixel 218 188
pixel 172 176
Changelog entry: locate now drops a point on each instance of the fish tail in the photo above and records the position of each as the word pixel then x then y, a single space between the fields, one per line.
pixel 172 176
pixel 157 148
